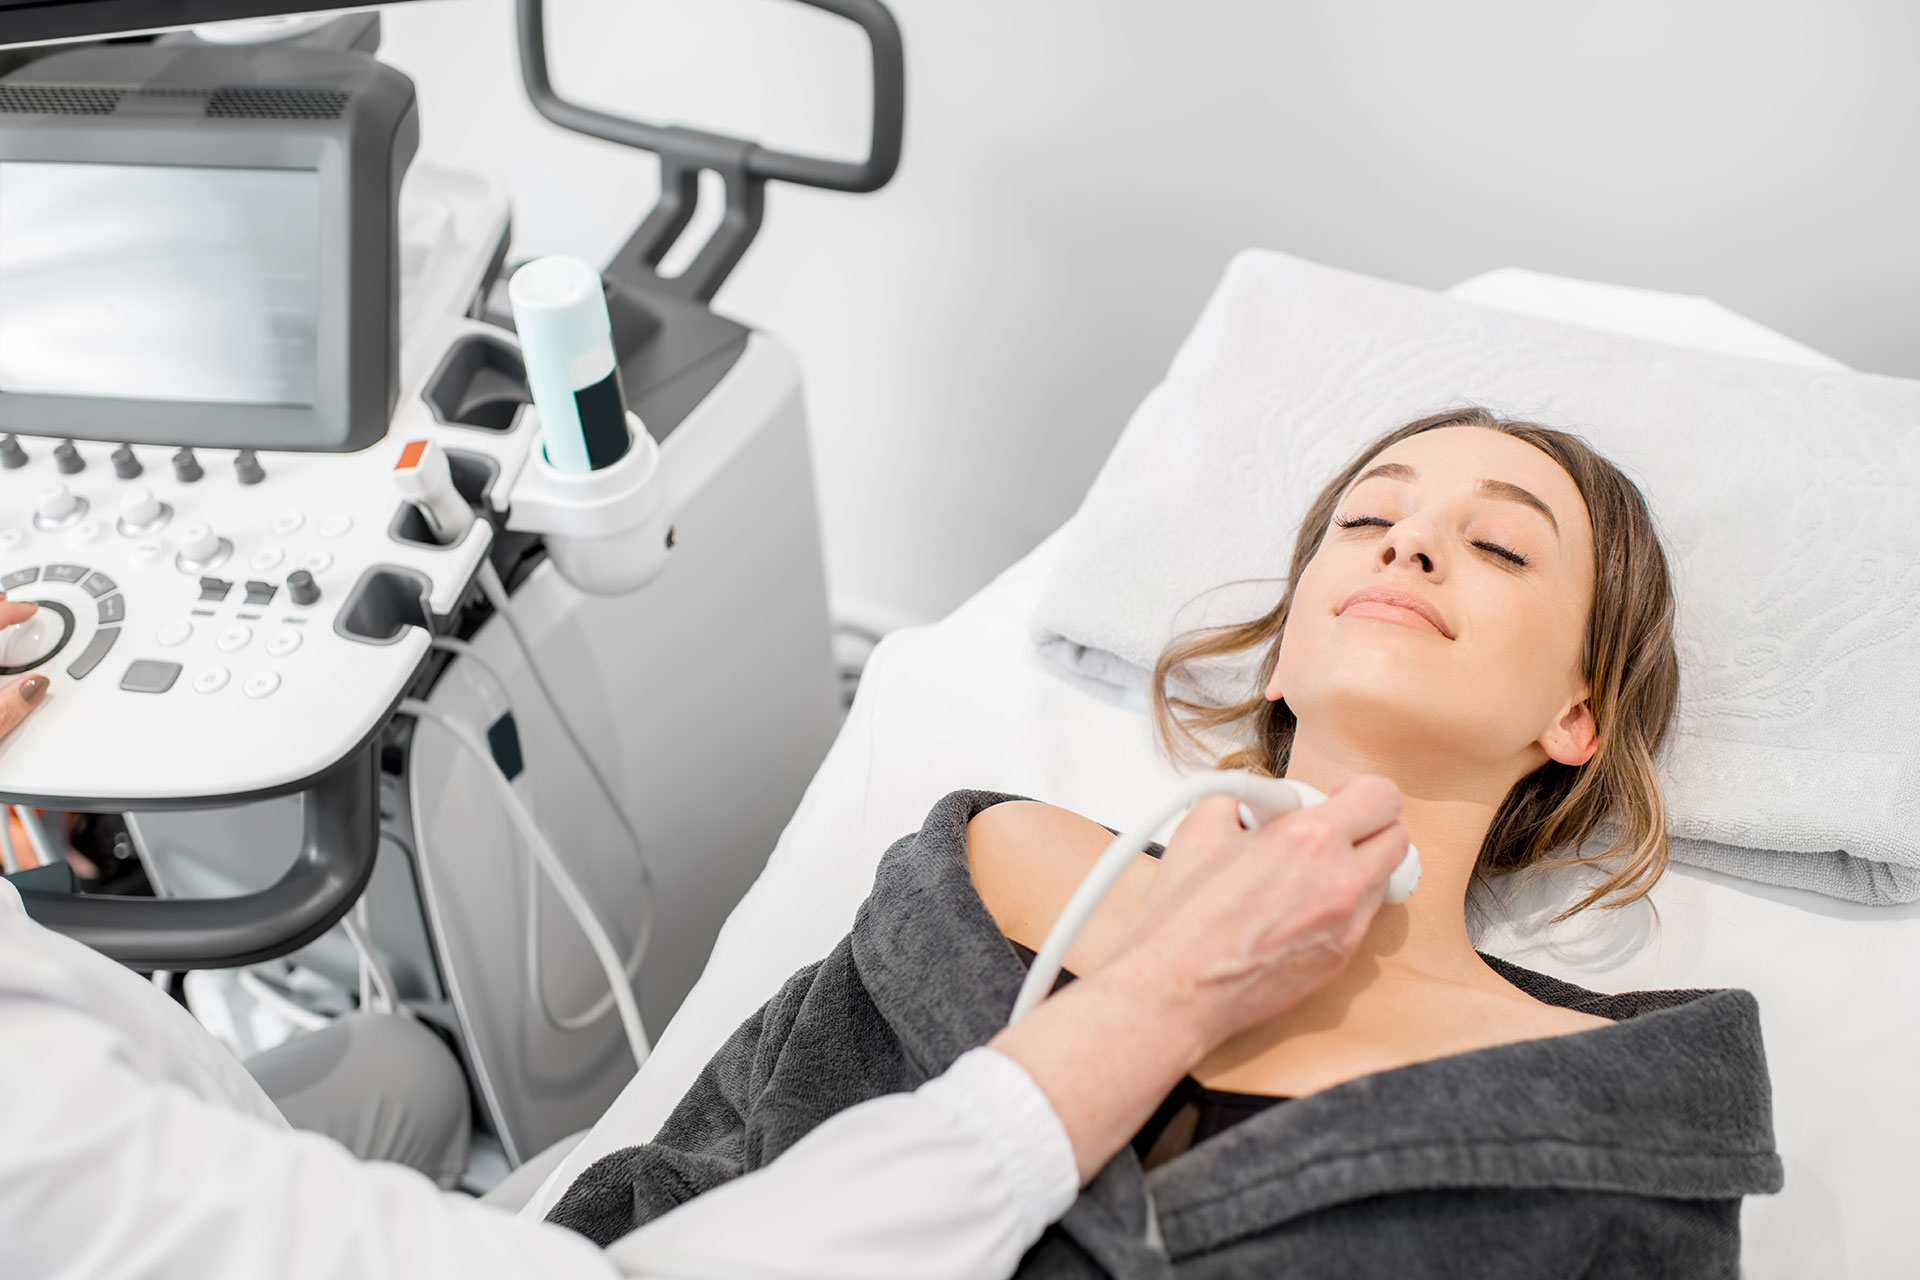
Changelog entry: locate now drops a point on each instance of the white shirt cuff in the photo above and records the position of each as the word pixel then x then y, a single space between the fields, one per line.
pixel 993 1096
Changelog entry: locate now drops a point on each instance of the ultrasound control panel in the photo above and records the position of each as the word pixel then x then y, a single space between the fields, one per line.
pixel 217 623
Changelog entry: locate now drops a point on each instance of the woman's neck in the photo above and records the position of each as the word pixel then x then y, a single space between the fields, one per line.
pixel 1446 813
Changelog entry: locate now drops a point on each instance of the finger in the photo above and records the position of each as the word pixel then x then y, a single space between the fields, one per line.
pixel 12 611
pixel 1208 827
pixel 18 701
pixel 1364 805
pixel 1210 818
pixel 1380 854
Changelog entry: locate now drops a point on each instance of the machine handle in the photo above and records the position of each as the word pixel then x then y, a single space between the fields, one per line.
pixel 744 166
pixel 708 150
pixel 341 815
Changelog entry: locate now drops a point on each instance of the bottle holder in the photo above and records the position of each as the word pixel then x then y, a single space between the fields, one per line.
pixel 607 531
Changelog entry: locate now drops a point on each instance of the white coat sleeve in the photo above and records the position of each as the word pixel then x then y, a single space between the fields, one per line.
pixel 133 1147
pixel 954 1181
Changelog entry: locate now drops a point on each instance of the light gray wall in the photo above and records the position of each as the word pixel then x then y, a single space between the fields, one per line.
pixel 1077 173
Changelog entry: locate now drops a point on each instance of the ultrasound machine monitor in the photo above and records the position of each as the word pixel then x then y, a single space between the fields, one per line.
pixel 198 246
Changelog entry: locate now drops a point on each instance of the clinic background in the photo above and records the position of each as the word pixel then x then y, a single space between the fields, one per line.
pixel 1078 172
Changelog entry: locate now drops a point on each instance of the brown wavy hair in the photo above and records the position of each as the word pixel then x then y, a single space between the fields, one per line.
pixel 1628 660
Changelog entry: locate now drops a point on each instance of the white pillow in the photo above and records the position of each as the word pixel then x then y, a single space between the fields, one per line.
pixel 1789 499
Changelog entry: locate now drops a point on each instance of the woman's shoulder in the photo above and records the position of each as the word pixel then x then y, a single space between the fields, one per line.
pixel 1027 858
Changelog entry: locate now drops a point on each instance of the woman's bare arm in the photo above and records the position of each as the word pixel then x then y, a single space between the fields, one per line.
pixel 1027 859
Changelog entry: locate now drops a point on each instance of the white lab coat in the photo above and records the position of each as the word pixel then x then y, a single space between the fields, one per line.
pixel 132 1144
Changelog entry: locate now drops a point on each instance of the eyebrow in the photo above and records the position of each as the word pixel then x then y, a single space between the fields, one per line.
pixel 1500 490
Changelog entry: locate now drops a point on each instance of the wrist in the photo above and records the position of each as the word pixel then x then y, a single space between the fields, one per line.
pixel 1156 998
pixel 1105 1052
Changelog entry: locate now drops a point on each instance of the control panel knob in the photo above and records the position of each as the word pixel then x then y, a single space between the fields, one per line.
pixel 246 466
pixel 57 503
pixel 12 456
pixel 186 467
pixel 68 459
pixel 125 464
pixel 199 543
pixel 301 588
pixel 141 510
pixel 28 643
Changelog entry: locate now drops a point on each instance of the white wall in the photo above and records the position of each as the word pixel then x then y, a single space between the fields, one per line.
pixel 1077 172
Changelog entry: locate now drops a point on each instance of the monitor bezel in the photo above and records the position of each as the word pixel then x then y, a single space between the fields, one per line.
pixel 327 422
pixel 43 21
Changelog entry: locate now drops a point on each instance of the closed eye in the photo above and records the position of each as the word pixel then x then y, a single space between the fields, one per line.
pixel 1493 548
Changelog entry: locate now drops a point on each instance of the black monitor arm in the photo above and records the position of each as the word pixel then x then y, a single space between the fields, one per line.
pixel 744 166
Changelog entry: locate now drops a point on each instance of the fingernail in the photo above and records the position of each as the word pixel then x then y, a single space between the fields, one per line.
pixel 31 688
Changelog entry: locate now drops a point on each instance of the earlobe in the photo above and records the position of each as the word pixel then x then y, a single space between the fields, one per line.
pixel 1574 737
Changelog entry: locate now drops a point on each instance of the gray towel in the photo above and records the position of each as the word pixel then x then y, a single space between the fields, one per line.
pixel 1619 1152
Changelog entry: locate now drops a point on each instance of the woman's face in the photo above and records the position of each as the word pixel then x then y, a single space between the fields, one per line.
pixel 1416 631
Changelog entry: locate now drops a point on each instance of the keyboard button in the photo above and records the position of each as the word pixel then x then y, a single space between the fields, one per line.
pixel 149 676
pixel 90 657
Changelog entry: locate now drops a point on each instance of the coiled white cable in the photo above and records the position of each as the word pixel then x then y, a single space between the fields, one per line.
pixel 570 895
pixel 536 983
pixel 1261 801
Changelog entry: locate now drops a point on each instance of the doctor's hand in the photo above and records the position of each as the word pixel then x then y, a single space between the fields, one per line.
pixel 1242 925
pixel 1238 927
pixel 18 698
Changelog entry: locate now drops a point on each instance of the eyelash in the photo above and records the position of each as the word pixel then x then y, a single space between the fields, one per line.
pixel 1492 547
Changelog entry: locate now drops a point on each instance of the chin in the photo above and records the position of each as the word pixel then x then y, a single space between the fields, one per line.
pixel 1375 698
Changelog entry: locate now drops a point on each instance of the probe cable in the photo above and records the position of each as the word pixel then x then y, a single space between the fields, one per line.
pixel 602 1006
pixel 496 593
pixel 1262 799
pixel 549 861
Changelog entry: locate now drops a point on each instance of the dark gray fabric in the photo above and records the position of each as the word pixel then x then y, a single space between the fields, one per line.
pixel 382 1086
pixel 1619 1152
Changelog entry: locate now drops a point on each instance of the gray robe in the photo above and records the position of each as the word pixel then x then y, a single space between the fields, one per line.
pixel 1619 1152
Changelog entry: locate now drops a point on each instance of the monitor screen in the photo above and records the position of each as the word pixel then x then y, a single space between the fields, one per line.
pixel 157 282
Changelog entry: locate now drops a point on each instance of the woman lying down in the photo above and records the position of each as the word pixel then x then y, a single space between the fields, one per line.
pixel 1480 610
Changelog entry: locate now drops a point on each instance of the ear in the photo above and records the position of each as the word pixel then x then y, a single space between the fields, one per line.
pixel 1273 693
pixel 1574 736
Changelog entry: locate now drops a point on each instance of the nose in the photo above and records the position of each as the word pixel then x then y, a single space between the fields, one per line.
pixel 1409 542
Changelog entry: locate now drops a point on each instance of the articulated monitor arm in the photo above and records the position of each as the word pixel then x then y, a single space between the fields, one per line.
pixel 341 816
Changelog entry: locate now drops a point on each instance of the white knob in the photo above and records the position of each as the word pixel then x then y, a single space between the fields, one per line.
pixel 141 507
pixel 57 502
pixel 198 542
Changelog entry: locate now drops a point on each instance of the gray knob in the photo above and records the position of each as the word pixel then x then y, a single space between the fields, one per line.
pixel 12 456
pixel 246 465
pixel 186 467
pixel 68 459
pixel 301 588
pixel 125 465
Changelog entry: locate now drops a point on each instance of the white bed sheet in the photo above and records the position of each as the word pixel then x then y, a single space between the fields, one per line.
pixel 963 703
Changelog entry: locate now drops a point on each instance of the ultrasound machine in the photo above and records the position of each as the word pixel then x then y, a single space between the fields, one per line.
pixel 233 315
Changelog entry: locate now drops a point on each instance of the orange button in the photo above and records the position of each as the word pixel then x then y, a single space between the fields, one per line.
pixel 410 456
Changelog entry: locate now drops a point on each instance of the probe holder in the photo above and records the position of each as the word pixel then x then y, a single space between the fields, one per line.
pixel 607 531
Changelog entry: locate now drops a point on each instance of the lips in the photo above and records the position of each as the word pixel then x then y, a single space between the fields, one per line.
pixel 1394 606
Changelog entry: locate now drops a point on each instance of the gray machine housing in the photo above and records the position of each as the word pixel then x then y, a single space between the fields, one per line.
pixel 341 115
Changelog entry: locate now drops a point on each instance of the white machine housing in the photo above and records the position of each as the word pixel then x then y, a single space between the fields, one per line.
pixel 717 670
